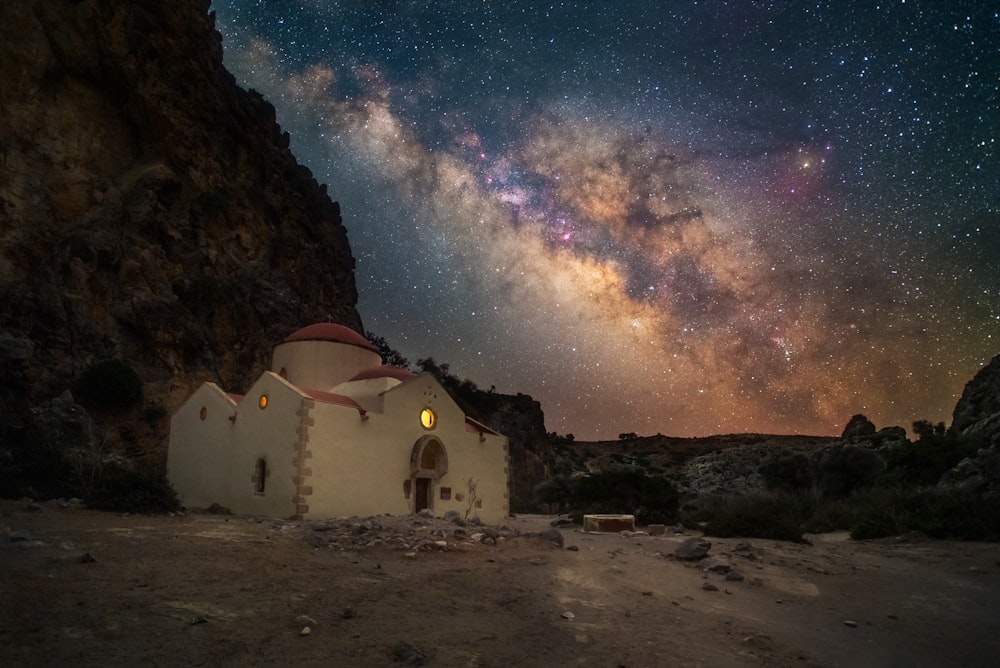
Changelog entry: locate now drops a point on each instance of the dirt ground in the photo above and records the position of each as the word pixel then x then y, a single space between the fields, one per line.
pixel 85 588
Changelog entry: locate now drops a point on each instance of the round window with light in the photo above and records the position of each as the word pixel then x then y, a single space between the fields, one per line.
pixel 262 402
pixel 427 418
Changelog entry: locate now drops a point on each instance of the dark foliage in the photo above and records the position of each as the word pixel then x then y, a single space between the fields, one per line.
pixel 35 466
pixel 556 492
pixel 139 489
pixel 847 469
pixel 653 499
pixel 788 472
pixel 475 403
pixel 773 516
pixel 390 356
pixel 924 462
pixel 109 385
pixel 951 514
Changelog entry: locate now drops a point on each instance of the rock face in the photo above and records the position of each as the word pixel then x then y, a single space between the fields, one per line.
pixel 858 427
pixel 977 416
pixel 521 420
pixel 150 211
pixel 977 413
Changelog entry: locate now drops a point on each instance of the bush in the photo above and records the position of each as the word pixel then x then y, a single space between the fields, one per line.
pixel 847 469
pixel 836 515
pixel 787 471
pixel 776 516
pixel 109 385
pixel 949 514
pixel 556 491
pixel 651 498
pixel 924 462
pixel 139 489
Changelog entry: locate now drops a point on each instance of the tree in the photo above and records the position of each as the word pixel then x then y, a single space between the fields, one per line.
pixel 390 356
pixel 439 371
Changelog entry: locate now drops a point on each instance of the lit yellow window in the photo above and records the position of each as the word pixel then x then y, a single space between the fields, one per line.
pixel 262 402
pixel 427 418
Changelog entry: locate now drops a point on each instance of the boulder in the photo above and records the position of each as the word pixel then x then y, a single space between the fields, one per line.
pixel 693 549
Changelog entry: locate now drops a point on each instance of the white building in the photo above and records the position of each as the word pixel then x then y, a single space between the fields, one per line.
pixel 329 431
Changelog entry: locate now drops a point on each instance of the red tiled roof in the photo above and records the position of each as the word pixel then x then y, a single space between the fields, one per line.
pixel 478 427
pixel 383 371
pixel 328 331
pixel 331 398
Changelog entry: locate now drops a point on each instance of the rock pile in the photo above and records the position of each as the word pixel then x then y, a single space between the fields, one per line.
pixel 408 533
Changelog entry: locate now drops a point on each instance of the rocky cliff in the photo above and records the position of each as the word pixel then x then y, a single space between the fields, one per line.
pixel 978 411
pixel 516 416
pixel 150 213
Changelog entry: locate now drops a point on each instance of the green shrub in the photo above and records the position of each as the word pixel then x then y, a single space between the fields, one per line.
pixel 777 516
pixel 787 471
pixel 138 489
pixel 557 491
pixel 650 498
pixel 109 385
pixel 847 469
pixel 924 462
pixel 35 465
pixel 951 514
pixel 835 515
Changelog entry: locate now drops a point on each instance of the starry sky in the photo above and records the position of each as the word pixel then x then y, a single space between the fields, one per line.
pixel 686 218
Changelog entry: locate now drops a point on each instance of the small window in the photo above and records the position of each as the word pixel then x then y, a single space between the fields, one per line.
pixel 204 413
pixel 283 373
pixel 427 418
pixel 262 402
pixel 260 476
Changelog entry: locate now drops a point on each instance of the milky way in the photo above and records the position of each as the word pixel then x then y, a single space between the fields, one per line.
pixel 677 218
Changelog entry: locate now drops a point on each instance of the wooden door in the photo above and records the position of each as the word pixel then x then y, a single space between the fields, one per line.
pixel 422 495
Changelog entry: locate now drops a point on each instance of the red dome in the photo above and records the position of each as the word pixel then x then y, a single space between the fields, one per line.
pixel 328 331
pixel 396 372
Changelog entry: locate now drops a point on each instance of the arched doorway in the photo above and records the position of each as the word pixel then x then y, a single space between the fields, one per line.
pixel 428 463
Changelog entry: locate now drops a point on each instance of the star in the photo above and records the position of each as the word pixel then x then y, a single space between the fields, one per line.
pixel 682 218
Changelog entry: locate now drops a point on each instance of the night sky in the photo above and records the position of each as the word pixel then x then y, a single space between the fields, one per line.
pixel 685 218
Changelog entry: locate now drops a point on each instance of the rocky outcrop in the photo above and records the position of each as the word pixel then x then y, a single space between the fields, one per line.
pixel 858 426
pixel 150 211
pixel 521 420
pixel 977 418
pixel 977 412
pixel 737 470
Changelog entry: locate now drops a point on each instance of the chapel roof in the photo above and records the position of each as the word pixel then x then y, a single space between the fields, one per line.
pixel 332 398
pixel 385 371
pixel 329 331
